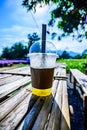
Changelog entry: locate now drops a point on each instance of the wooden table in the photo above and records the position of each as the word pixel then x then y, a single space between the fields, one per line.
pixel 81 79
pixel 19 109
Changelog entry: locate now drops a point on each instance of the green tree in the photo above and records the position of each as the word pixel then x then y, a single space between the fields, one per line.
pixel 6 53
pixel 0 57
pixel 65 55
pixel 32 38
pixel 72 16
pixel 18 50
pixel 84 54
pixel 77 57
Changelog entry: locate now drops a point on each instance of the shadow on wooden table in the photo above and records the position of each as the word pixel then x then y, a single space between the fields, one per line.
pixel 45 113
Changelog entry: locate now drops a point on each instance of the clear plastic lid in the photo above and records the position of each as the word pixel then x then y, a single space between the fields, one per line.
pixel 37 47
pixel 43 60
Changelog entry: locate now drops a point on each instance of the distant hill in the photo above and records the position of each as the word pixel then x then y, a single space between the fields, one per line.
pixel 84 52
pixel 59 52
pixel 71 53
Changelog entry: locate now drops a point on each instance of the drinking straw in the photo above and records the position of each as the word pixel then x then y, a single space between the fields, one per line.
pixel 43 38
pixel 43 44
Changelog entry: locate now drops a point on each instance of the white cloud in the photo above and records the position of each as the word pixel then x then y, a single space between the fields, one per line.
pixel 15 34
pixel 71 45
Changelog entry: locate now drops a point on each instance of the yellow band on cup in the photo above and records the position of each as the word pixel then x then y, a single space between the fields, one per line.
pixel 41 92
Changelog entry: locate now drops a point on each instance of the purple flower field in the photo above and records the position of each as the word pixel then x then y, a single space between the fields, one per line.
pixel 11 62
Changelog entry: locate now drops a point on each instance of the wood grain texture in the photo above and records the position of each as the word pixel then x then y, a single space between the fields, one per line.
pixel 11 121
pixel 8 88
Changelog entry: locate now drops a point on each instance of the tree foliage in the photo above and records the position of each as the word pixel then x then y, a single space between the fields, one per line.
pixel 18 50
pixel 32 38
pixel 65 55
pixel 6 53
pixel 84 54
pixel 78 56
pixel 72 16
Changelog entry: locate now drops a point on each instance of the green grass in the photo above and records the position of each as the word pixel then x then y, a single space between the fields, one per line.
pixel 13 66
pixel 74 63
pixel 19 65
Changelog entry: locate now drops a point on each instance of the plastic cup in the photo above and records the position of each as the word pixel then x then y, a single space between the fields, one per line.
pixel 42 70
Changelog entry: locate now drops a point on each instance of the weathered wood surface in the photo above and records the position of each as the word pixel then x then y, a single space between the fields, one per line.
pixel 9 79
pixel 41 121
pixel 15 116
pixel 85 111
pixel 10 87
pixel 10 104
pixel 79 77
pixel 18 71
pixel 48 113
pixel 65 122
pixel 59 118
pixel 4 76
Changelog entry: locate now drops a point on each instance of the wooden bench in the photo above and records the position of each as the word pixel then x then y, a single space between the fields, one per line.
pixel 81 79
pixel 21 110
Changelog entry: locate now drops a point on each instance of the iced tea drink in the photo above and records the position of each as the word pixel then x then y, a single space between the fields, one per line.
pixel 42 74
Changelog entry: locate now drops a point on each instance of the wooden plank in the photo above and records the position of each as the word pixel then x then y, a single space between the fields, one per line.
pixel 25 70
pixel 43 115
pixel 12 102
pixel 65 117
pixel 2 76
pixel 60 73
pixel 11 121
pixel 18 71
pixel 41 119
pixel 60 77
pixel 9 79
pixel 20 126
pixel 54 119
pixel 61 65
pixel 85 111
pixel 54 87
pixel 85 90
pixel 15 73
pixel 32 115
pixel 8 88
pixel 56 71
pixel 81 78
pixel 32 101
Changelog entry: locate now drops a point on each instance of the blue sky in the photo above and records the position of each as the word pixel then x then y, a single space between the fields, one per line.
pixel 16 23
